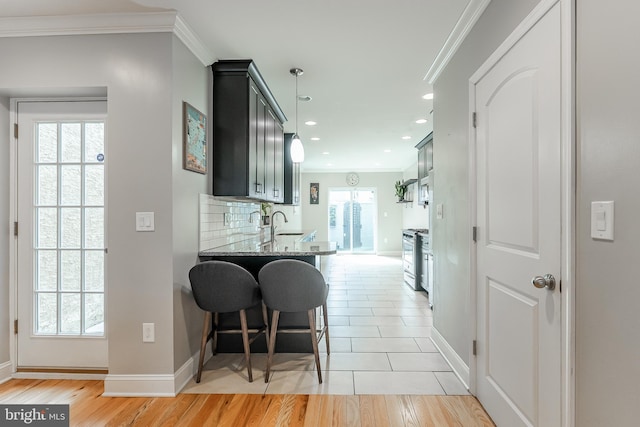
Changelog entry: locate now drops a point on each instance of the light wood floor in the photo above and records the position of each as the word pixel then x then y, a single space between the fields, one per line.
pixel 89 408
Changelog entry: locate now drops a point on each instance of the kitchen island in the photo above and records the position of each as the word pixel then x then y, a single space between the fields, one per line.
pixel 253 254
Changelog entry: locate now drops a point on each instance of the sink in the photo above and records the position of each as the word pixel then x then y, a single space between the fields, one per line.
pixel 289 234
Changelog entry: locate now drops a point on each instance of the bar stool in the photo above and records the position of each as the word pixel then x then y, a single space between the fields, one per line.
pixel 223 287
pixel 294 286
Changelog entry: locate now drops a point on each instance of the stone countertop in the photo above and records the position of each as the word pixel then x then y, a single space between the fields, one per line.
pixel 286 243
pixel 276 248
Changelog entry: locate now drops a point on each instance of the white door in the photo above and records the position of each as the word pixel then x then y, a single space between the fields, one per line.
pixel 61 238
pixel 518 158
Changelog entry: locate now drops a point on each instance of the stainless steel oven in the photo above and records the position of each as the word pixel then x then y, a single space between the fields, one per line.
pixel 409 258
pixel 412 257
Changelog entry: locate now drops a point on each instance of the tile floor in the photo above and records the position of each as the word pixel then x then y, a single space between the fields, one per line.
pixel 379 333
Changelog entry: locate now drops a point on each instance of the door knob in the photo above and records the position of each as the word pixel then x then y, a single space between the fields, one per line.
pixel 546 281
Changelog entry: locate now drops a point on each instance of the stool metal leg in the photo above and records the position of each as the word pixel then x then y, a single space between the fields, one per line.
pixel 314 342
pixel 214 344
pixel 203 342
pixel 326 326
pixel 245 342
pixel 272 342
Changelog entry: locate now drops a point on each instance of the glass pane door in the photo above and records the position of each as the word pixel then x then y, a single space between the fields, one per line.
pixel 69 220
pixel 352 219
pixel 61 243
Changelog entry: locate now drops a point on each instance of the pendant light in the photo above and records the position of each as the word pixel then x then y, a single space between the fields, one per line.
pixel 297 150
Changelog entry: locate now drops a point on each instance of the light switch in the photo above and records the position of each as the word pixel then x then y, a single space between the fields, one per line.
pixel 602 220
pixel 145 221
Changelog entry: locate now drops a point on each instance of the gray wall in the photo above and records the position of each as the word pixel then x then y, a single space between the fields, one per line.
pixel 389 227
pixel 5 231
pixel 607 291
pixel 451 238
pixel 136 70
pixel 190 84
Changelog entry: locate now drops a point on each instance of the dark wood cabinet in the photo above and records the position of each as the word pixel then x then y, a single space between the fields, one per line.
pixel 248 134
pixel 291 174
pixel 425 165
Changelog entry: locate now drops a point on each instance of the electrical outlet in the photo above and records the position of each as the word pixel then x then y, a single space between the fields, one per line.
pixel 148 332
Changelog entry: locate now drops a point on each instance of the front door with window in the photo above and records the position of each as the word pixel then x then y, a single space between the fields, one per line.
pixel 61 239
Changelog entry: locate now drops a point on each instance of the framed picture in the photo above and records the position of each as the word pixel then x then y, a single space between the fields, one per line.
pixel 314 193
pixel 194 139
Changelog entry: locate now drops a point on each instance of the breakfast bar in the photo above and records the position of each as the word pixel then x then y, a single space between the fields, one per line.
pixel 252 254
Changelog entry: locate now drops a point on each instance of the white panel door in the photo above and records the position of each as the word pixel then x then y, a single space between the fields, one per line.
pixel 61 239
pixel 518 162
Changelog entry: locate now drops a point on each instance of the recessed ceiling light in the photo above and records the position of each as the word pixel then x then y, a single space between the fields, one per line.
pixel 387 151
pixel 315 138
pixel 325 152
pixel 310 123
pixel 419 121
pixel 427 96
pixel 406 137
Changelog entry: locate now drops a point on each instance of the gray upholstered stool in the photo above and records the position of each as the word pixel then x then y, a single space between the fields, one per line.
pixel 294 286
pixel 223 287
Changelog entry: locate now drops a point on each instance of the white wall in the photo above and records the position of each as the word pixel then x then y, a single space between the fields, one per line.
pixel 136 70
pixel 190 84
pixel 451 235
pixel 5 231
pixel 315 217
pixel 607 290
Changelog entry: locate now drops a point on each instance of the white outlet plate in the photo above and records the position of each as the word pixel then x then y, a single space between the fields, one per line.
pixel 602 217
pixel 148 332
pixel 145 221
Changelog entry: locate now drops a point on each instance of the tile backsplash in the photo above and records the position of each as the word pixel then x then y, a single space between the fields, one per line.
pixel 242 222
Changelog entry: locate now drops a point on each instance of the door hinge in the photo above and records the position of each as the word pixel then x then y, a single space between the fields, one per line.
pixel 475 347
pixel 475 233
pixel 15 326
pixel 474 118
pixel 15 228
pixel 15 130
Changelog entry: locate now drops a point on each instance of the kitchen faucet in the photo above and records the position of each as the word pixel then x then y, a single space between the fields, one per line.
pixel 273 225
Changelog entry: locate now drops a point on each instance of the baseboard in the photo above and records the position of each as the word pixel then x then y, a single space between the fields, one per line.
pixel 57 376
pixel 153 385
pixel 139 386
pixel 457 364
pixel 185 373
pixel 6 369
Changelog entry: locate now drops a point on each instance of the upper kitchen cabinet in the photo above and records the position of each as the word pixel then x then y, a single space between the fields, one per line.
pixel 291 175
pixel 248 134
pixel 425 165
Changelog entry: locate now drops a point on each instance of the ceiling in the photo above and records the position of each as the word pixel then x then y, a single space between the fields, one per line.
pixel 364 64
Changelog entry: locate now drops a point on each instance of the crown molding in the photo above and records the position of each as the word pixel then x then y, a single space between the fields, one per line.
pixel 107 23
pixel 467 20
pixel 192 41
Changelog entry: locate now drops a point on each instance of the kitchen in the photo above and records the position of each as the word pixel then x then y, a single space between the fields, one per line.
pixel 146 67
